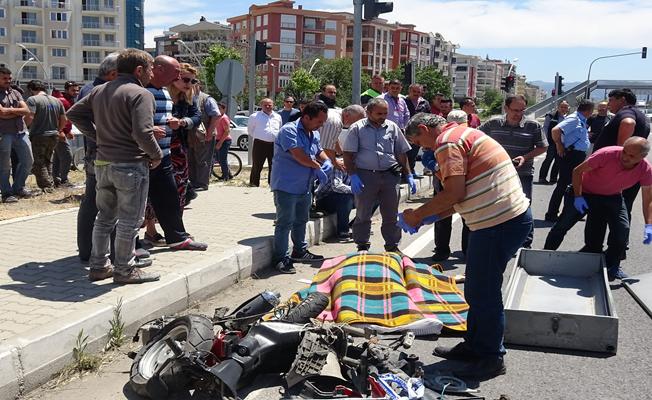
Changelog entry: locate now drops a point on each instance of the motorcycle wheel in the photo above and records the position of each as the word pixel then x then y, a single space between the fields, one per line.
pixel 190 332
pixel 309 308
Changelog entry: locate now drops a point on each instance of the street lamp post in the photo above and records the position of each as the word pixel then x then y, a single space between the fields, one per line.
pixel 313 65
pixel 511 66
pixel 21 69
pixel 588 77
pixel 274 82
pixel 45 71
pixel 192 53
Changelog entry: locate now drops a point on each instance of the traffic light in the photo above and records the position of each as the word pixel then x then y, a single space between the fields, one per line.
pixel 261 52
pixel 408 76
pixel 558 86
pixel 644 52
pixel 503 84
pixel 373 8
pixel 509 83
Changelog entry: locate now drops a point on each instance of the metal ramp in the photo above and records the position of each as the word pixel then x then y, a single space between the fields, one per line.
pixel 577 93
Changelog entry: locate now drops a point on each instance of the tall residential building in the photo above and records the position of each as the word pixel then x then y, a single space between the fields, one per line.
pixel 378 38
pixel 475 75
pixel 442 54
pixel 59 40
pixel 135 24
pixel 297 37
pixel 466 76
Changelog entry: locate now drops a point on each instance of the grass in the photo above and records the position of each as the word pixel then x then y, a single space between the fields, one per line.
pixel 117 329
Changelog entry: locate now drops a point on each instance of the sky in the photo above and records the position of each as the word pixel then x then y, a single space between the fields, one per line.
pixel 545 36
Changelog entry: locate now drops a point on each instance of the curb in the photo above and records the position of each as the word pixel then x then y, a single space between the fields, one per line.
pixel 29 361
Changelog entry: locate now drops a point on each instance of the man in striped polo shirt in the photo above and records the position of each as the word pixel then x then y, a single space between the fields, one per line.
pixel 163 194
pixel 482 185
pixel 522 138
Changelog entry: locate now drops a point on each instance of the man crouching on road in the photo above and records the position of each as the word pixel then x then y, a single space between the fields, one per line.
pixel 298 160
pixel 481 184
pixel 126 149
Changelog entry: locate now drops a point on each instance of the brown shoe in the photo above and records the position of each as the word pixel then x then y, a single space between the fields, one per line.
pixel 99 274
pixel 136 276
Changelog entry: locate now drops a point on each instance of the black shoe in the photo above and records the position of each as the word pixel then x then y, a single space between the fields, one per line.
pixel 314 214
pixel 441 255
pixel 9 199
pixel 201 189
pixel 364 246
pixel 460 351
pixel 24 194
pixel 393 249
pixel 285 266
pixel 142 262
pixel 306 257
pixel 482 370
pixel 543 181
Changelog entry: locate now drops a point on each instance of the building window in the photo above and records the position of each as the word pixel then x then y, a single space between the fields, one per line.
pixel 286 68
pixel 259 21
pixel 90 73
pixel 331 25
pixel 2 12
pixel 309 38
pixel 3 31
pixel 287 51
pixel 288 21
pixel 288 36
pixel 2 50
pixel 57 3
pixel 59 34
pixel 264 34
pixel 329 54
pixel 91 57
pixel 89 39
pixel 109 22
pixel 283 82
pixel 309 23
pixel 90 22
pixel 28 36
pixel 59 16
pixel 329 39
pixel 109 38
pixel 29 72
pixel 57 52
pixel 59 73
pixel 265 19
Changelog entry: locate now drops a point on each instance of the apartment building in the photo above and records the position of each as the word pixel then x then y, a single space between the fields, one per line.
pixel 442 54
pixel 135 24
pixel 297 37
pixel 59 40
pixel 191 43
pixel 465 76
pixel 411 46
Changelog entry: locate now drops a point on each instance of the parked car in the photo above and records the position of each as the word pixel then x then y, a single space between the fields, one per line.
pixel 239 133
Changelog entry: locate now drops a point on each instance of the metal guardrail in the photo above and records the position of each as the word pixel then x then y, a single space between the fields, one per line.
pixel 572 96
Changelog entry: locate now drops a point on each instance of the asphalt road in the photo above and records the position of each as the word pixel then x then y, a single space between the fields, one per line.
pixel 532 373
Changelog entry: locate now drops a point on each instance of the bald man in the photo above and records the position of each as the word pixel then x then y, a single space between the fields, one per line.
pixel 263 126
pixel 597 189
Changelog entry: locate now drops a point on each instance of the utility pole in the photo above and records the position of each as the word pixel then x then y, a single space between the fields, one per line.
pixel 252 81
pixel 357 51
pixel 643 54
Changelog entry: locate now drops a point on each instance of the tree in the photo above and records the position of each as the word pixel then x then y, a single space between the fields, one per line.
pixel 339 72
pixel 433 82
pixel 217 54
pixel 302 85
pixel 492 102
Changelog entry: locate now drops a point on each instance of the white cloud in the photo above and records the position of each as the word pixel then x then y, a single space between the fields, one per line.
pixel 554 23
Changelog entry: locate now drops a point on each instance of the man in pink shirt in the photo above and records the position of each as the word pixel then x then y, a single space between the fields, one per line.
pixel 597 187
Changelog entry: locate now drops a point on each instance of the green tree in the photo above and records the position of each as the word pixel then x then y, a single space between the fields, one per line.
pixel 339 72
pixel 302 85
pixel 217 54
pixel 433 82
pixel 492 102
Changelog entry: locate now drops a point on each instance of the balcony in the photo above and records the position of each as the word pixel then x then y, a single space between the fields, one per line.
pixel 25 57
pixel 27 21
pixel 91 25
pixel 288 56
pixel 91 42
pixel 92 60
pixel 28 3
pixel 288 40
pixel 100 8
pixel 58 5
pixel 30 39
pixel 314 27
pixel 289 25
pixel 311 43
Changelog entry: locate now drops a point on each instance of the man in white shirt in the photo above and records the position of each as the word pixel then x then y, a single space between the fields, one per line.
pixel 263 127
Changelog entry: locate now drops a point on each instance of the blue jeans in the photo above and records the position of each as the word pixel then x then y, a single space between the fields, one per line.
pixel 340 203
pixel 221 158
pixel 526 184
pixel 19 142
pixel 120 199
pixel 489 251
pixel 292 214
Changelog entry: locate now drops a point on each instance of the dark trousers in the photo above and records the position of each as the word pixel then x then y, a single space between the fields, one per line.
pixel 380 188
pixel 86 217
pixel 42 150
pixel 412 156
pixel 262 151
pixel 603 211
pixel 61 161
pixel 567 164
pixel 164 198
pixel 550 163
pixel 339 203
pixel 200 163
pixel 490 250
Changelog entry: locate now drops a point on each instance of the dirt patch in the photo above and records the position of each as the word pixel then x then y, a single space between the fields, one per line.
pixel 60 199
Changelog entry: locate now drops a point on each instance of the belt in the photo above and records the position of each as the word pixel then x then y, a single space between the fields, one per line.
pixel 376 170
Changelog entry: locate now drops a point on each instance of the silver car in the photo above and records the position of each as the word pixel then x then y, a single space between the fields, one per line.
pixel 239 132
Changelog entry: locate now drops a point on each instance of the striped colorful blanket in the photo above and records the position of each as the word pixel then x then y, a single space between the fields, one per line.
pixel 389 292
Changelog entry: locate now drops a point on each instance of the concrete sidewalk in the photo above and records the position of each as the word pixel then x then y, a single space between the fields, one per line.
pixel 46 298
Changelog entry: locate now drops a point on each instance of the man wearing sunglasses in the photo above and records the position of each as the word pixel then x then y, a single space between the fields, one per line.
pixel 523 138
pixel 288 111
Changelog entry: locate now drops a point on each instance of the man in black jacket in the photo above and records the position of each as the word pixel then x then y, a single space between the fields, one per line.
pixel 550 163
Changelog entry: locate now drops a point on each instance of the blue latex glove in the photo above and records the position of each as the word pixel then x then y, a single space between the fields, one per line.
pixel 412 183
pixel 327 166
pixel 648 234
pixel 430 220
pixel 428 160
pixel 405 226
pixel 580 205
pixel 356 184
pixel 322 176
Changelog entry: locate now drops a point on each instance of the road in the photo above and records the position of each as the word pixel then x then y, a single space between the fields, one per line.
pixel 533 373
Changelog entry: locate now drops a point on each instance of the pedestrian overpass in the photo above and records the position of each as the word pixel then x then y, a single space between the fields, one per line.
pixel 577 93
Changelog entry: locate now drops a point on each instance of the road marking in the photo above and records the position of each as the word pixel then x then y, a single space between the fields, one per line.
pixel 424 240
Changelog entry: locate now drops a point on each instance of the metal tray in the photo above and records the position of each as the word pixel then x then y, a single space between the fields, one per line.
pixel 560 299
